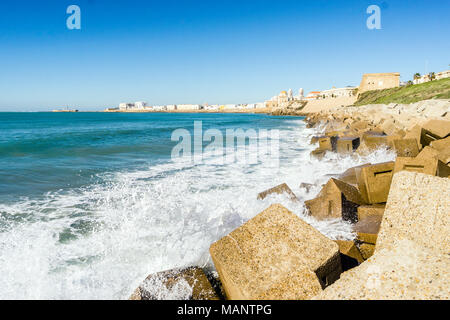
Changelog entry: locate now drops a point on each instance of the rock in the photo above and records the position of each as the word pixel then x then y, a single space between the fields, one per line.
pixel 371 210
pixel 434 130
pixel 275 255
pixel 406 147
pixel 177 284
pixel 347 144
pixel 367 229
pixel 374 182
pixel 282 188
pixel 367 250
pixel 348 249
pixel 337 200
pixel 327 143
pixel 405 272
pixel 417 209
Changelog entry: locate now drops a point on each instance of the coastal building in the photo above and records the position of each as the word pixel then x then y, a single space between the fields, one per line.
pixel 140 105
pixel 313 95
pixel 422 79
pixel 443 75
pixel 338 92
pixel 126 106
pixel 171 107
pixel 379 81
pixel 189 107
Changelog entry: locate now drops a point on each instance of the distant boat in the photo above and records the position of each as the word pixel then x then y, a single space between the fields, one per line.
pixel 65 110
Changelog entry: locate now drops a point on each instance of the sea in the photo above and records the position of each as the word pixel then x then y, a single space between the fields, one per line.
pixel 92 203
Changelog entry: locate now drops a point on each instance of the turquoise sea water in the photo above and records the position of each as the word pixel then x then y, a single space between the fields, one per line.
pixel 91 203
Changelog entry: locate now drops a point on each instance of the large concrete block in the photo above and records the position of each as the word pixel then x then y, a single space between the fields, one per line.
pixel 367 229
pixel 349 176
pixel 337 200
pixel 275 255
pixel 434 130
pixel 417 209
pixel 371 210
pixel 328 143
pixel 347 144
pixel 426 165
pixel 441 145
pixel 374 140
pixel 374 182
pixel 282 188
pixel 349 249
pixel 414 132
pixel 406 147
pixel 407 271
pixel 318 153
pixel 367 250
pixel 177 284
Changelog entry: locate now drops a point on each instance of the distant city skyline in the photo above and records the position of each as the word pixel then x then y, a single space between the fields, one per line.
pixel 216 52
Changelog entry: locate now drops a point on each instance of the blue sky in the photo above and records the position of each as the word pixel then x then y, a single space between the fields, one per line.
pixel 212 51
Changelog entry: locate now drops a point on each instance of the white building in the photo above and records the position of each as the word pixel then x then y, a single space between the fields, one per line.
pixel 140 105
pixel 338 92
pixel 443 75
pixel 126 106
pixel 189 107
pixel 171 107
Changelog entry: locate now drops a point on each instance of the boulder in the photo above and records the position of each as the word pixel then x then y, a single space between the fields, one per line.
pixel 337 200
pixel 406 147
pixel 374 182
pixel 177 284
pixel 347 144
pixel 407 271
pixel 371 210
pixel 275 255
pixel 282 188
pixel 417 209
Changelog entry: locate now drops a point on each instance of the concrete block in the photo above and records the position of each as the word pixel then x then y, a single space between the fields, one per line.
pixel 347 144
pixel 282 188
pixel 406 147
pixel 349 176
pixel 327 143
pixel 422 165
pixel 314 140
pixel 275 255
pixel 371 210
pixel 434 130
pixel 367 229
pixel 318 153
pixel 336 200
pixel 184 284
pixel 441 145
pixel 407 271
pixel 367 250
pixel 417 209
pixel 374 182
pixel 348 248
pixel 373 140
pixel 414 132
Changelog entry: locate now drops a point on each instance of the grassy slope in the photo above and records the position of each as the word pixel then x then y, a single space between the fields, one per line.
pixel 439 89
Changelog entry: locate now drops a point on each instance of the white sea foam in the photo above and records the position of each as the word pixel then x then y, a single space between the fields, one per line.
pixel 101 242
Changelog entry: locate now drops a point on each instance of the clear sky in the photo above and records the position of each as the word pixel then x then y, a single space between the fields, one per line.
pixel 215 51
